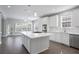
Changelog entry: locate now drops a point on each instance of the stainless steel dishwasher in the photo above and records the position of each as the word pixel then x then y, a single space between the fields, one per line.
pixel 74 40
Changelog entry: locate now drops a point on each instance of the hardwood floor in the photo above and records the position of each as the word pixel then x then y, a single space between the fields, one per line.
pixel 57 48
pixel 13 45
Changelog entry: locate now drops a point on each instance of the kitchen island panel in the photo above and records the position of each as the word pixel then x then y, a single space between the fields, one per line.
pixel 36 43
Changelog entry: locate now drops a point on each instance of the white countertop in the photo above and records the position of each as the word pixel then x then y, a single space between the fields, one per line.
pixel 69 32
pixel 35 35
pixel 77 33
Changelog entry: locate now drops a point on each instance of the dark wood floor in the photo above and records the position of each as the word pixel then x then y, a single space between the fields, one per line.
pixel 13 45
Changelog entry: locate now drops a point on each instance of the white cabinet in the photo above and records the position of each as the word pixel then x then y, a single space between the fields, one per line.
pixel 65 38
pixel 60 37
pixel 75 17
pixel 66 19
pixel 35 42
pixel 52 37
pixel 55 36
pixel 72 15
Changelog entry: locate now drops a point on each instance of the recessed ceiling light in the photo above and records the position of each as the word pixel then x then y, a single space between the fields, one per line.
pixel 9 6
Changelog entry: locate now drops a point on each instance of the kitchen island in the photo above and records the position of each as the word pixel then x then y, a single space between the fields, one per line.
pixel 35 42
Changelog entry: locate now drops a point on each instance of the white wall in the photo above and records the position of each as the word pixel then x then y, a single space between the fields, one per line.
pixel 54 23
pixel 39 22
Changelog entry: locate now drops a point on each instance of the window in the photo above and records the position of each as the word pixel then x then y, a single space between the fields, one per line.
pixel 23 27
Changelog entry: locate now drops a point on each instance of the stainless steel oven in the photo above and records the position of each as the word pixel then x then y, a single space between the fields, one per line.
pixel 44 28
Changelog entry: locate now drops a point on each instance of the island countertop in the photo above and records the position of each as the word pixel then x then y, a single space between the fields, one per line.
pixel 34 35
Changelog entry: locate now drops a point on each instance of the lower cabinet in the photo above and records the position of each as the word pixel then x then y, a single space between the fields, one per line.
pixel 60 37
pixel 74 40
pixel 65 38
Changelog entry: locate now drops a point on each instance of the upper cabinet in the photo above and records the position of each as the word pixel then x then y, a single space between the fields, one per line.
pixel 66 19
pixel 75 18
pixel 70 18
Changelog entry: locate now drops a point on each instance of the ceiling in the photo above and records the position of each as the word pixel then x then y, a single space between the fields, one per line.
pixel 25 11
